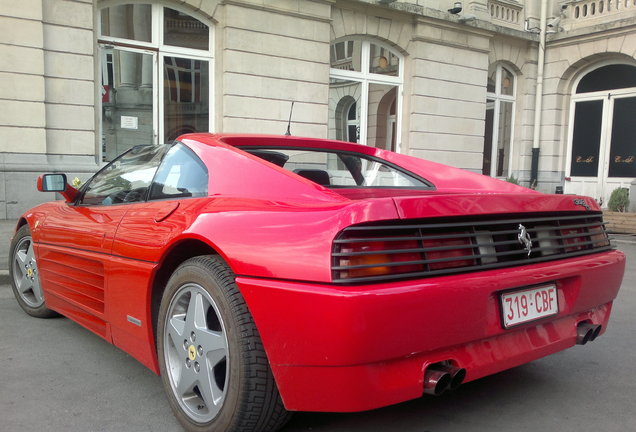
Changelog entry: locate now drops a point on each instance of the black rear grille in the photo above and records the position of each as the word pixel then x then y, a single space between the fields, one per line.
pixel 421 248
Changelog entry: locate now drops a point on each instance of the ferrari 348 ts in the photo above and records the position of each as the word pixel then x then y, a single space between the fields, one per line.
pixel 260 275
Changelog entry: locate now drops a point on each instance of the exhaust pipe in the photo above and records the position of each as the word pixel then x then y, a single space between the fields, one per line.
pixel 436 381
pixel 457 375
pixel 587 332
pixel 442 377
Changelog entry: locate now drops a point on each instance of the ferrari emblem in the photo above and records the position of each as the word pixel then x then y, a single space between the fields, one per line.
pixel 29 272
pixel 524 238
pixel 192 352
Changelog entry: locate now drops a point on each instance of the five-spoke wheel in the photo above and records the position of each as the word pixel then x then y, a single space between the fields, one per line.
pixel 211 358
pixel 195 352
pixel 25 279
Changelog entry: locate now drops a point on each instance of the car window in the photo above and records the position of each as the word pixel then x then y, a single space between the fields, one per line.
pixel 126 179
pixel 181 175
pixel 339 169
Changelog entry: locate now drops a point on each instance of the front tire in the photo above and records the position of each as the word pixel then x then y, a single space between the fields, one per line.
pixel 212 362
pixel 24 275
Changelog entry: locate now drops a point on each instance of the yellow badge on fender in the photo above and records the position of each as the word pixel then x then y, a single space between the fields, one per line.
pixel 192 352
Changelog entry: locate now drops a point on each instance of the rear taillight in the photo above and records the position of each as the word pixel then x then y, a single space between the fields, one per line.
pixel 598 236
pixel 572 241
pixel 449 253
pixel 376 258
pixel 366 258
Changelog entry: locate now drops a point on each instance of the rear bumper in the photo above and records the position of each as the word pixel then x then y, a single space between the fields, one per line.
pixel 336 348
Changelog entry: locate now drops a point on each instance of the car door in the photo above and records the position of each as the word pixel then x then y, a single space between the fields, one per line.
pixel 180 187
pixel 76 238
pixel 146 229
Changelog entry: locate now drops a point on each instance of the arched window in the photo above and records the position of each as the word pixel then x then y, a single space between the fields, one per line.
pixel 366 78
pixel 348 124
pixel 500 109
pixel 155 67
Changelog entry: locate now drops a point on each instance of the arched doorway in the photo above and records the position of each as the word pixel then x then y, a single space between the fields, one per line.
pixel 602 136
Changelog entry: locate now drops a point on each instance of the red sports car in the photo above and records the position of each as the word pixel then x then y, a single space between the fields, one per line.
pixel 262 274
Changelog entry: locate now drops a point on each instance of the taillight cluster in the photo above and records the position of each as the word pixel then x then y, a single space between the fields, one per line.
pixel 598 236
pixel 393 256
pixel 572 241
pixel 391 250
pixel 575 239
pixel 449 253
pixel 375 258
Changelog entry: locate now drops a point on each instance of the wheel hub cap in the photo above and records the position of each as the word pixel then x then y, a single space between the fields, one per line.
pixel 196 353
pixel 25 274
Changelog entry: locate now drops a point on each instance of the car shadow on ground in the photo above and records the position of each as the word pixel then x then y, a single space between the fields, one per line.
pixel 465 406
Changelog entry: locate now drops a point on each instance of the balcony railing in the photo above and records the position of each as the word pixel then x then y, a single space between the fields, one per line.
pixel 599 10
pixel 506 12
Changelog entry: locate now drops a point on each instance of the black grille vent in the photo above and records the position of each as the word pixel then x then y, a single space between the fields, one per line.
pixel 421 248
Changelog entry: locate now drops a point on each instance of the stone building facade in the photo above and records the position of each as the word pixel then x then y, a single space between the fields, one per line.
pixel 81 81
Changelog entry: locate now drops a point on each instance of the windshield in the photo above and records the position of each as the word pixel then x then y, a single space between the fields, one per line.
pixel 339 169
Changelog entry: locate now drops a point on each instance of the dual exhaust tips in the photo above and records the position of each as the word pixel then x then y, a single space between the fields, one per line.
pixel 440 378
pixel 587 332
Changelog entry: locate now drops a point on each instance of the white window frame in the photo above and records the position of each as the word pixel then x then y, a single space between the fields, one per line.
pixel 365 78
pixel 498 97
pixel 159 50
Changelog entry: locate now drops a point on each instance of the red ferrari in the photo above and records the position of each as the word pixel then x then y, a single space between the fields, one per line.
pixel 260 275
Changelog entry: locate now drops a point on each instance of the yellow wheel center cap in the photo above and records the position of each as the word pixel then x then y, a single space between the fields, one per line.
pixel 29 272
pixel 192 352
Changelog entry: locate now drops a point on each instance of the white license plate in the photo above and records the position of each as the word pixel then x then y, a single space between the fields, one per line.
pixel 528 305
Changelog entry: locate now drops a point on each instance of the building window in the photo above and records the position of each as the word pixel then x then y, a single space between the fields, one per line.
pixel 365 90
pixel 500 108
pixel 156 82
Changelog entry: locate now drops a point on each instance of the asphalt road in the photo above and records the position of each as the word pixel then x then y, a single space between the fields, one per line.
pixel 56 376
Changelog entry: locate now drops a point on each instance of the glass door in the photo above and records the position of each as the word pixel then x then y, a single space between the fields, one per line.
pixel 620 165
pixel 602 155
pixel 129 114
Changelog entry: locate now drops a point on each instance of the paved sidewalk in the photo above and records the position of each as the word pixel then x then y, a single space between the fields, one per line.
pixel 622 238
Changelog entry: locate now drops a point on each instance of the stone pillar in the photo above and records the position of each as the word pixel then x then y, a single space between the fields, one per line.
pixel 479 8
pixel 22 107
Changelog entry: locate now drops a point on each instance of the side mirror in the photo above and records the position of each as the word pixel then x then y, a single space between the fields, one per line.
pixel 52 183
pixel 57 183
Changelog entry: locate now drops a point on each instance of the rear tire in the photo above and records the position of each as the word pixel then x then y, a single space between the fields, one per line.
pixel 212 362
pixel 25 277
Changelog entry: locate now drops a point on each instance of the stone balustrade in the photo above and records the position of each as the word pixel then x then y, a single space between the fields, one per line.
pixel 506 12
pixel 590 9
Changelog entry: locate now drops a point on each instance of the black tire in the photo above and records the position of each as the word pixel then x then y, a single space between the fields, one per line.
pixel 238 392
pixel 24 275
